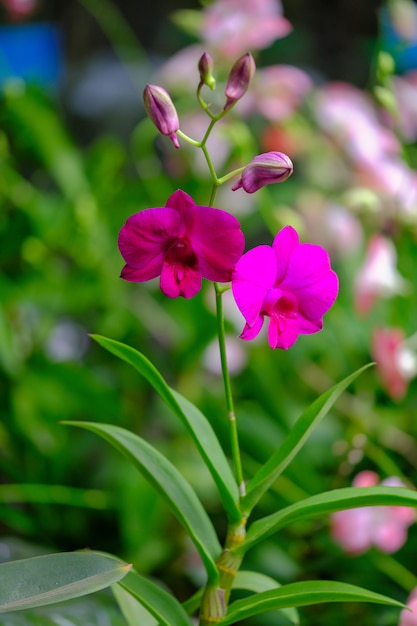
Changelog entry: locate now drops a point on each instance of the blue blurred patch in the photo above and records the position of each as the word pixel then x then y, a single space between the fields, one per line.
pixel 32 52
pixel 403 52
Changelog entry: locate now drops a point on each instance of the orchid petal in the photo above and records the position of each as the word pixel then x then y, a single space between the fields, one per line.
pixel 311 279
pixel 149 272
pixel 145 236
pixel 217 241
pixel 284 243
pixel 180 280
pixel 254 275
pixel 282 332
pixel 250 332
pixel 180 202
pixel 309 327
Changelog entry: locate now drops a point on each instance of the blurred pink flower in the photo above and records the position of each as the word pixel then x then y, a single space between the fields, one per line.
pixel 395 182
pixel 357 530
pixel 331 225
pixel 291 283
pixel 233 27
pixel 277 92
pixel 378 277
pixel 408 618
pixel 349 117
pixel 351 121
pixel 19 9
pixel 405 89
pixel 180 71
pixel 395 360
pixel 182 243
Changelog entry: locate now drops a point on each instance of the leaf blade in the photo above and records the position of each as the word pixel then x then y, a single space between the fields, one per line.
pixel 293 442
pixel 302 594
pixel 168 481
pixel 43 580
pixel 161 604
pixel 258 583
pixel 325 503
pixel 192 418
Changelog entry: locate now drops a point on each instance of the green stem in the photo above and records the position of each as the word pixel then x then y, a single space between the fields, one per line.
pixel 234 440
pixel 395 571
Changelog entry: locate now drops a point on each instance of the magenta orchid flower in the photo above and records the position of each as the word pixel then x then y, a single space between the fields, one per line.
pixel 233 26
pixel 291 283
pixel 182 243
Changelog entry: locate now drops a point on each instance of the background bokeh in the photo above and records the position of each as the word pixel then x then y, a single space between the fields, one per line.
pixel 77 158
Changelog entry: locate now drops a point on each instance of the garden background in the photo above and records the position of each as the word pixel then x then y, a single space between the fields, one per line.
pixel 77 159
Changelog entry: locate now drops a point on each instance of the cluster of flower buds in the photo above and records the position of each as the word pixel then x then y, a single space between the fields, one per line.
pixel 264 169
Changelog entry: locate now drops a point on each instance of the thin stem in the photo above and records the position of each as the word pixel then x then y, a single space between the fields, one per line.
pixel 234 440
pixel 193 142
pixel 397 572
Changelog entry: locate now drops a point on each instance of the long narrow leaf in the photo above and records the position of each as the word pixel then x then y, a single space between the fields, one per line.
pixel 258 583
pixel 293 442
pixel 301 594
pixel 133 611
pixel 161 604
pixel 168 481
pixel 192 418
pixel 52 578
pixel 327 502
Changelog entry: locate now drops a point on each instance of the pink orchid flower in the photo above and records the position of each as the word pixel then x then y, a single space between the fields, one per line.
pixel 378 277
pixel 182 243
pixel 405 89
pixel 350 118
pixel 232 27
pixel 409 618
pixel 357 530
pixel 291 283
pixel 396 360
pixel 277 92
pixel 19 9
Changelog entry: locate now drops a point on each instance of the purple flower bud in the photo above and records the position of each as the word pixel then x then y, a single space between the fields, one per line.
pixel 265 169
pixel 239 79
pixel 205 67
pixel 161 110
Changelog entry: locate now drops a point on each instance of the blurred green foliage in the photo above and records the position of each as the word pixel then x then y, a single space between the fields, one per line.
pixel 61 207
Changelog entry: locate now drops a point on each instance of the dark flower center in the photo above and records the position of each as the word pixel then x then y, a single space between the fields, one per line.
pixel 180 252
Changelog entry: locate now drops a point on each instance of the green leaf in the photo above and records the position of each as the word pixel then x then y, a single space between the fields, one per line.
pixel 258 583
pixel 43 580
pixel 293 442
pixel 168 481
pixel 192 418
pixel 189 20
pixel 161 604
pixel 327 502
pixel 302 594
pixel 133 611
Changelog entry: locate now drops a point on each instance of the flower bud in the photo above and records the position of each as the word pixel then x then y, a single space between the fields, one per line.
pixel 265 169
pixel 205 67
pixel 161 110
pixel 239 79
